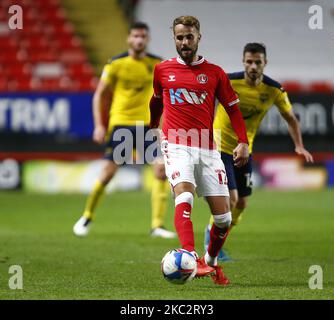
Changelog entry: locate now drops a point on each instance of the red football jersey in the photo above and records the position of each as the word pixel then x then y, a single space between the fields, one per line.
pixel 189 95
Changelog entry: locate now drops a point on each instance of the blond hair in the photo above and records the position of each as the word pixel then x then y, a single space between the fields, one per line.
pixel 189 21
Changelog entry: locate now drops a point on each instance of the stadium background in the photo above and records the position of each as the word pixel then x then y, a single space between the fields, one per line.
pixel 49 70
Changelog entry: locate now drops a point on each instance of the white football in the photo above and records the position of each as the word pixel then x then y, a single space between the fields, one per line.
pixel 178 266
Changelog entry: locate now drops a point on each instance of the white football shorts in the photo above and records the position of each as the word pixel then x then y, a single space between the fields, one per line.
pixel 201 167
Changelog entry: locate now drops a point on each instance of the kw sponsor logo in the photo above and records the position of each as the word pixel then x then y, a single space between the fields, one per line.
pixel 182 95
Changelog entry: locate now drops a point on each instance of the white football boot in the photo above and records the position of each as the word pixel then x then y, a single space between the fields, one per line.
pixel 82 227
pixel 162 233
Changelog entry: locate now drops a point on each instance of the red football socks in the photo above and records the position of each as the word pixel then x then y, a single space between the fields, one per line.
pixel 184 226
pixel 217 239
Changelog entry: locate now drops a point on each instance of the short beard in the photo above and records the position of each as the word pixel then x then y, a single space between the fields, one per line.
pixel 190 58
pixel 254 77
pixel 139 51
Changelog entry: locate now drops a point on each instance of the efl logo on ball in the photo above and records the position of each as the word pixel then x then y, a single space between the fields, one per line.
pixel 178 266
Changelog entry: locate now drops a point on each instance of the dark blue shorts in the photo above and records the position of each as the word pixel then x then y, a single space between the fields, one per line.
pixel 238 178
pixel 124 139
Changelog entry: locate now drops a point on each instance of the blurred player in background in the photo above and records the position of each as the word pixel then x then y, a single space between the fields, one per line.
pixel 125 87
pixel 257 93
pixel 185 89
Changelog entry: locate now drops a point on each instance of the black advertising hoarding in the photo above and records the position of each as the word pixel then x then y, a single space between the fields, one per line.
pixel 315 112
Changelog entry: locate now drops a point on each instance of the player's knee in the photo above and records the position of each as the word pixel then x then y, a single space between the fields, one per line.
pixel 223 221
pixel 108 172
pixel 184 197
pixel 242 203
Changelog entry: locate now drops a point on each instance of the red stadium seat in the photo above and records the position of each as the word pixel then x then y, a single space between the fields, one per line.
pixel 49 84
pixel 9 50
pixel 35 46
pixel 34 28
pixel 17 70
pixel 65 28
pixel 8 42
pixel 58 15
pixel 8 55
pixel 65 43
pixel 3 84
pixel 3 14
pixel 8 59
pixel 292 86
pixel 42 56
pixel 20 84
pixel 8 3
pixel 58 84
pixel 11 57
pixel 78 70
pixel 67 84
pixel 87 83
pixel 321 86
pixel 30 40
pixel 47 37
pixel 63 37
pixel 47 3
pixel 73 56
pixel 30 16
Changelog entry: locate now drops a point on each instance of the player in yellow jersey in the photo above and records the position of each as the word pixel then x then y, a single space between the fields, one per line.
pixel 125 88
pixel 257 93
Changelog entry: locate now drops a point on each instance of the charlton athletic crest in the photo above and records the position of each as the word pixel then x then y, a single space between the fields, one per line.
pixel 202 78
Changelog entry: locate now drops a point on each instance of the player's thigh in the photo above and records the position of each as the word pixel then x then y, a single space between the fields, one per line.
pixel 243 177
pixel 179 166
pixel 211 175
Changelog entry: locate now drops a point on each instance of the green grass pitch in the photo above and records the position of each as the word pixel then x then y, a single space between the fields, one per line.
pixel 281 235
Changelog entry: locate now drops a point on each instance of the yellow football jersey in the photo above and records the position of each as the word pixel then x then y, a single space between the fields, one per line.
pixel 254 104
pixel 131 81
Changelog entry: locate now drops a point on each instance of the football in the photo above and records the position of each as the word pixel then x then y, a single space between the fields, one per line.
pixel 178 266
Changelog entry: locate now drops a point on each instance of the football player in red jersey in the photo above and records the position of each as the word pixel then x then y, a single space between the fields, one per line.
pixel 185 91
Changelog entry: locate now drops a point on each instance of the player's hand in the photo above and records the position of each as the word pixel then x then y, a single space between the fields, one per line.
pixel 99 134
pixel 303 152
pixel 240 154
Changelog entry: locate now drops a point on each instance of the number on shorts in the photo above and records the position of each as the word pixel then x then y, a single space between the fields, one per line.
pixel 248 180
pixel 220 176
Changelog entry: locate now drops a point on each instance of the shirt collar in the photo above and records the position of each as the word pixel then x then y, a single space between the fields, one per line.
pixel 195 63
